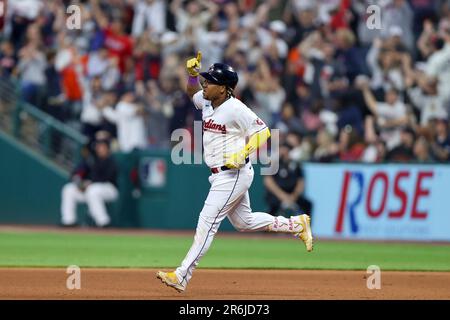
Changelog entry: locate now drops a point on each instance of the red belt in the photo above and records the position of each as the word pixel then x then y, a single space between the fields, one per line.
pixel 225 168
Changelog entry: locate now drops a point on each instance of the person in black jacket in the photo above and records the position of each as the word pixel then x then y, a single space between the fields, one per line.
pixel 93 182
pixel 285 189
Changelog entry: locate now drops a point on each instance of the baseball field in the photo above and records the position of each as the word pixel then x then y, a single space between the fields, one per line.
pixel 122 264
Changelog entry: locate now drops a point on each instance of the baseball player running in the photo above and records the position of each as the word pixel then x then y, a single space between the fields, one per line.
pixel 227 123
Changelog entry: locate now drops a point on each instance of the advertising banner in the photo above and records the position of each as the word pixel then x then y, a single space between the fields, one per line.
pixel 384 202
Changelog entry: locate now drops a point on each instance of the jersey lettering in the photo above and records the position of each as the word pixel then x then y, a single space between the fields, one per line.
pixel 210 125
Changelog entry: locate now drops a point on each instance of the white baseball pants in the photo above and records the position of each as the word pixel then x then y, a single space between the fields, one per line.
pixel 228 197
pixel 95 195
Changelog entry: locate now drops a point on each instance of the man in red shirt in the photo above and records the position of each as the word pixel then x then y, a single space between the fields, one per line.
pixel 117 42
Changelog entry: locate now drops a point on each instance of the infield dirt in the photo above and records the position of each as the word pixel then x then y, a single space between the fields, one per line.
pixel 215 284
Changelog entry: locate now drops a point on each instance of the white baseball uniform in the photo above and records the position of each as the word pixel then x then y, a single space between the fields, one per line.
pixel 95 195
pixel 225 130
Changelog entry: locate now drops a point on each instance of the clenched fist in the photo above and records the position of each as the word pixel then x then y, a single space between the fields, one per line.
pixel 193 65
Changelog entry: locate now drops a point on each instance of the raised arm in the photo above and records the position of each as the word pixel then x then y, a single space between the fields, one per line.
pixel 99 17
pixel 373 54
pixel 193 68
pixel 369 98
pixel 175 6
pixel 424 39
pixel 211 6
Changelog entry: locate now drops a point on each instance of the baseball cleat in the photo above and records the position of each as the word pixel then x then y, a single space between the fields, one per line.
pixel 170 279
pixel 306 234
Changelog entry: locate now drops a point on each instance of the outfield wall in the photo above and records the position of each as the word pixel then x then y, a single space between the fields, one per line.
pixel 386 202
pixel 351 201
pixel 171 198
pixel 29 185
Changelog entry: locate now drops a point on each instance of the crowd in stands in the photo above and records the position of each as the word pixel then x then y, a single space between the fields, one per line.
pixel 336 89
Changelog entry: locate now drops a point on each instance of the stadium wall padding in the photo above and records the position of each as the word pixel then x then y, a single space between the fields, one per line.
pixel 351 201
pixel 174 198
pixel 30 190
pixel 30 185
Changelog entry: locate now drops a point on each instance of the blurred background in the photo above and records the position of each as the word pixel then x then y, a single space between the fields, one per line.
pixel 360 96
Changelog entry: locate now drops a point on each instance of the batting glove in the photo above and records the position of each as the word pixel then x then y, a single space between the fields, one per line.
pixel 193 65
pixel 235 160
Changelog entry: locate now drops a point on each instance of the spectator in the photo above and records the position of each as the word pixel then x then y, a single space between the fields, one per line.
pixel 428 42
pixel 67 63
pixel 178 104
pixel 21 14
pixel 425 98
pixel 298 61
pixel 93 182
pixel 394 40
pixel 404 151
pixel 149 15
pixel 385 67
pixel 440 143
pixel 351 147
pixel 313 118
pixel 301 147
pixel 99 64
pixel 31 69
pixel 212 41
pixel 191 14
pixel 8 60
pixel 158 113
pixel 399 13
pixel 285 189
pixel 301 17
pixel 269 94
pixel 303 98
pixel 390 115
pixel 271 40
pixel 172 43
pixel 348 112
pixel 423 10
pixel 115 40
pixel 128 117
pixel 288 122
pixel 327 150
pixel 422 150
pixel 437 68
pixel 346 50
pixel 365 35
pixel 91 117
pixel 55 100
pixel 329 77
pixel 375 150
pixel 147 59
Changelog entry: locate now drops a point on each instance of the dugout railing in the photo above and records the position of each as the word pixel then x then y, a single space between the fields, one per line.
pixel 45 134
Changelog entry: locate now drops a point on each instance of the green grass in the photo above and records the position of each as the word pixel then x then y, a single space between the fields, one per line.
pixel 87 250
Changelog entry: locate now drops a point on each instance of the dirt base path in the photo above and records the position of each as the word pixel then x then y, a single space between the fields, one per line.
pixel 209 284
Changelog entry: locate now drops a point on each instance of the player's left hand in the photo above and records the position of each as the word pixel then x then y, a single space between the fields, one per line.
pixel 235 160
pixel 193 65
